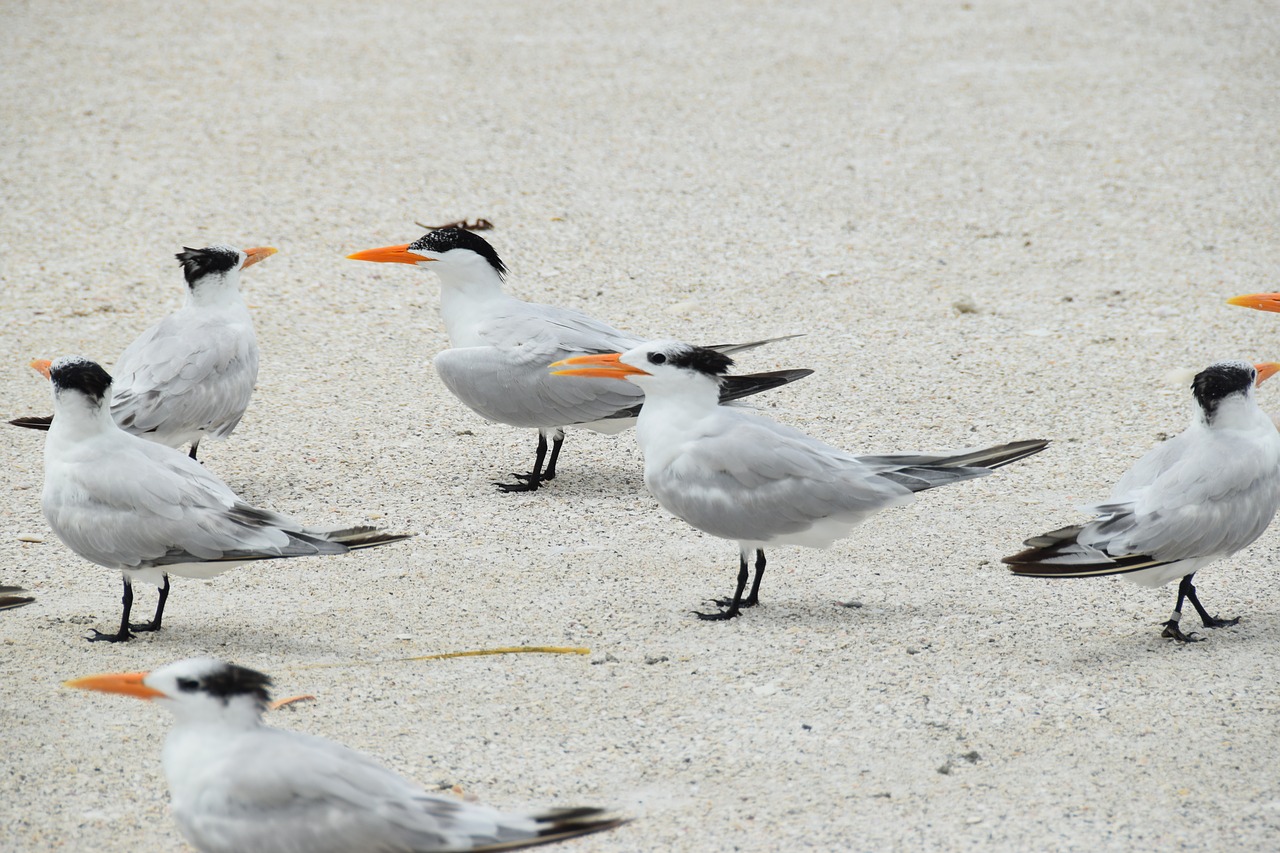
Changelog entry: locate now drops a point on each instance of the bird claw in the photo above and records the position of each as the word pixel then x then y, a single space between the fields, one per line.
pixel 1173 632
pixel 1215 622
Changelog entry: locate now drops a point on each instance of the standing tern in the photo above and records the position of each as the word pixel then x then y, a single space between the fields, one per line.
pixel 191 375
pixel 742 476
pixel 151 511
pixel 1198 497
pixel 237 785
pixel 501 347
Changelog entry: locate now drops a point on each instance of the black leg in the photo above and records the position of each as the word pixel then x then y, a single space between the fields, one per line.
pixel 123 634
pixel 734 605
pixel 754 598
pixel 154 624
pixel 1171 629
pixel 192 452
pixel 556 444
pixel 1187 588
pixel 533 479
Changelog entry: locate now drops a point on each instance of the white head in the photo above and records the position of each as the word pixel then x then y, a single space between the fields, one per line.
pixel 81 388
pixel 1224 390
pixel 216 268
pixel 195 690
pixel 456 254
pixel 655 366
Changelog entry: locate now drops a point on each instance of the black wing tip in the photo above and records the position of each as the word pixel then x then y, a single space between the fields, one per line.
pixel 572 822
pixel 365 536
pixel 559 825
pixel 41 422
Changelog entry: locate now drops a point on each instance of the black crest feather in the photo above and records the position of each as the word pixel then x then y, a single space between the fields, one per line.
pixel 80 374
pixel 197 263
pixel 230 681
pixel 444 239
pixel 1221 380
pixel 702 360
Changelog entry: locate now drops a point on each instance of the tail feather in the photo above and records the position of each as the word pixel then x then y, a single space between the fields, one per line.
pixel 33 422
pixel 919 478
pixel 1058 554
pixel 919 472
pixel 560 824
pixel 8 601
pixel 362 536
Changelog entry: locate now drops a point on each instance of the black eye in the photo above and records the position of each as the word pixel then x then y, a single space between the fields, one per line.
pixel 188 685
pixel 657 358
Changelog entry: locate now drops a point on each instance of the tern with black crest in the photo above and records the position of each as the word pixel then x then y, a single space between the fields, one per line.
pixel 1199 497
pixel 237 785
pixel 501 347
pixel 744 477
pixel 150 511
pixel 190 376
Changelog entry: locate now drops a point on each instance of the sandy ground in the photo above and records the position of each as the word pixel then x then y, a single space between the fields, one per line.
pixel 994 222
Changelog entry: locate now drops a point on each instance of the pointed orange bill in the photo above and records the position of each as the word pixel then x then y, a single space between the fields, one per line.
pixel 389 255
pixel 605 365
pixel 41 366
pixel 1266 370
pixel 126 683
pixel 259 253
pixel 1258 301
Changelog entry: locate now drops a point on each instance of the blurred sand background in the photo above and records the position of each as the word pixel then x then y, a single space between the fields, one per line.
pixel 993 220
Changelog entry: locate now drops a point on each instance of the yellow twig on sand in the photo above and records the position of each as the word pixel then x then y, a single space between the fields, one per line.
pixel 505 650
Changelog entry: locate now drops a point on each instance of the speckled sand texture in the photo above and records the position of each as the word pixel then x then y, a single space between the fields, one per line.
pixel 993 221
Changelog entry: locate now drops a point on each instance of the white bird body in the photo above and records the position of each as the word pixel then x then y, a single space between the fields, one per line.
pixel 148 510
pixel 1203 495
pixel 741 476
pixel 240 786
pixel 191 375
pixel 500 347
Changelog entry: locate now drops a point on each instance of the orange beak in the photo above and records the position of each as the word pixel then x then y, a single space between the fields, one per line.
pixel 260 253
pixel 389 255
pixel 127 683
pixel 1266 370
pixel 1258 301
pixel 606 365
pixel 41 366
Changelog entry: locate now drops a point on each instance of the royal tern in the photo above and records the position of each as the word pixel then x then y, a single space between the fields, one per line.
pixel 237 785
pixel 191 375
pixel 1198 497
pixel 151 511
pixel 501 347
pixel 742 476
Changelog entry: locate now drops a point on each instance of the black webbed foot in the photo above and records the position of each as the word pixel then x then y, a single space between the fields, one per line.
pixel 718 616
pixel 118 637
pixel 1215 622
pixel 528 483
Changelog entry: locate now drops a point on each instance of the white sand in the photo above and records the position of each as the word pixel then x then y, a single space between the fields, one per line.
pixel 1095 178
